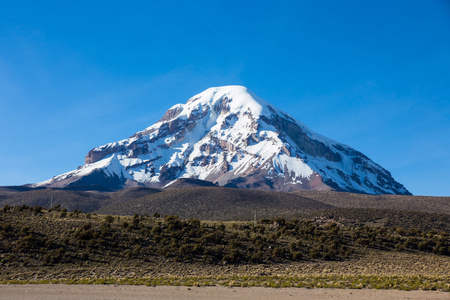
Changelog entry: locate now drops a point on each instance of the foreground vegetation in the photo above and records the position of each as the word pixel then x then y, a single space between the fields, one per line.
pixel 41 246
pixel 340 282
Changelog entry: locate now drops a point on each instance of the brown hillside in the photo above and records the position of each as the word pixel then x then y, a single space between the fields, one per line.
pixel 131 193
pixel 85 201
pixel 218 203
pixel 395 202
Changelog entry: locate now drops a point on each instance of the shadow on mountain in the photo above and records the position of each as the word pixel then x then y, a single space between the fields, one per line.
pixel 187 183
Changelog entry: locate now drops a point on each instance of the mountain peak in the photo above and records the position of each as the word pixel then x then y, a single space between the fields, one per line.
pixel 234 97
pixel 230 136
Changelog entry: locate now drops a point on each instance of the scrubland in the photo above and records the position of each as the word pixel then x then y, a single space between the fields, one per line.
pixel 57 246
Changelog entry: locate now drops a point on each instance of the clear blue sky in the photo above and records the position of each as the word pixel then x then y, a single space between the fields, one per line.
pixel 371 74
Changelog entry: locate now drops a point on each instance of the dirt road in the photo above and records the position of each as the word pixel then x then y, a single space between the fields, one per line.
pixel 110 292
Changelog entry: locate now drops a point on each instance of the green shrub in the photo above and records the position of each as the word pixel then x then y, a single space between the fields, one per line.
pixel 109 219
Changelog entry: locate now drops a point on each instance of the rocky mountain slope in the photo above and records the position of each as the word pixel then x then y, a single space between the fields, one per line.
pixel 231 137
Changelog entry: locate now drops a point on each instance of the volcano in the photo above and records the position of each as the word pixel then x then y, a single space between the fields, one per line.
pixel 230 137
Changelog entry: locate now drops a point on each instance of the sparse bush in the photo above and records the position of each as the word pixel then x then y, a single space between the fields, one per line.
pixel 135 221
pixel 37 209
pixel 278 252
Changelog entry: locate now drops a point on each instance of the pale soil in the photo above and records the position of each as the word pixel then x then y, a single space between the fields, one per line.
pixel 104 292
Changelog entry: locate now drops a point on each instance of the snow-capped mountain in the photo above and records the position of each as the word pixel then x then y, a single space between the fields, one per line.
pixel 230 136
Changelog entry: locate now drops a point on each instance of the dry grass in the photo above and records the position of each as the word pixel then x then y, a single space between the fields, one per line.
pixel 380 270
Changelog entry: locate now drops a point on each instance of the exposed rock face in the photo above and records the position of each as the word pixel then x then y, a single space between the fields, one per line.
pixel 229 136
